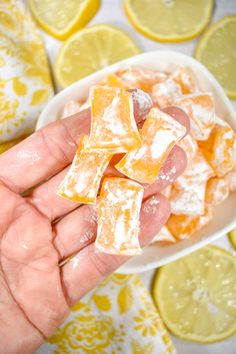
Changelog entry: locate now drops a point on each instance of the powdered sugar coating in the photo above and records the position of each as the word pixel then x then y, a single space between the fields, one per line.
pixel 113 125
pixel 159 134
pixel 165 93
pixel 188 195
pixel 190 147
pixel 217 191
pixel 200 109
pixel 118 217
pixel 82 181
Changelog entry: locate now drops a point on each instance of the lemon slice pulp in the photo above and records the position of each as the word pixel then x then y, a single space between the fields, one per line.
pixel 91 49
pixel 169 20
pixel 61 18
pixel 217 51
pixel 196 295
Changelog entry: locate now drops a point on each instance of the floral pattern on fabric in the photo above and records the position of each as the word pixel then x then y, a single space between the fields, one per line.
pixel 25 81
pixel 119 316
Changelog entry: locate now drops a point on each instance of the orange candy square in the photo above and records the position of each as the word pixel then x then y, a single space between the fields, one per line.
pixel 188 195
pixel 118 217
pixel 220 149
pixel 184 226
pixel 112 80
pixel 165 93
pixel 141 78
pixel 217 191
pixel 113 125
pixel 190 147
pixel 201 111
pixel 81 184
pixel 159 134
pixel 183 78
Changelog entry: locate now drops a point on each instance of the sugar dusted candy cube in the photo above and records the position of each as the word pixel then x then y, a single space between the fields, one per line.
pixel 118 217
pixel 220 149
pixel 159 134
pixel 70 108
pixel 190 147
pixel 184 79
pixel 113 80
pixel 164 236
pixel 165 93
pixel 217 191
pixel 184 226
pixel 188 195
pixel 197 172
pixel 113 125
pixel 141 78
pixel 188 202
pixel 81 184
pixel 201 111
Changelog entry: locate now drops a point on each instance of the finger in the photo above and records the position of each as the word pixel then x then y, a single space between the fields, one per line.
pixel 44 153
pixel 179 115
pixel 89 267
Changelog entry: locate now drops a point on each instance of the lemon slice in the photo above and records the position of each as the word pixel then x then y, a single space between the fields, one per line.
pixel 169 20
pixel 196 295
pixel 217 50
pixel 61 18
pixel 91 49
pixel 232 238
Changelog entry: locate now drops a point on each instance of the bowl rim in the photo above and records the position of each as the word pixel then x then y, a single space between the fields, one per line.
pixel 135 61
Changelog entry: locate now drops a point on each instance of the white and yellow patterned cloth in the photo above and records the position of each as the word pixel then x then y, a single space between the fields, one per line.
pixel 25 81
pixel 119 316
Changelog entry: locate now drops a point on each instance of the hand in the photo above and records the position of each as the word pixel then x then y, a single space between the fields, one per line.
pixel 35 293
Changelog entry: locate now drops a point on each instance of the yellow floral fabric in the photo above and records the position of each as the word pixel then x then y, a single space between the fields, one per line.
pixel 25 81
pixel 119 316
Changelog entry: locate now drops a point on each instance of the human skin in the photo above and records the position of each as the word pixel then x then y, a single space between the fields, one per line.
pixel 35 292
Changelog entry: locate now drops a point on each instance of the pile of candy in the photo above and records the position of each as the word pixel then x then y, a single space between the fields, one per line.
pixel 210 148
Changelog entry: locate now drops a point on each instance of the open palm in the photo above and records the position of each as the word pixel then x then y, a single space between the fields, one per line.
pixel 39 230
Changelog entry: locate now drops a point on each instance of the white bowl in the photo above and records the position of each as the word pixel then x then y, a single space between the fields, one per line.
pixel 225 217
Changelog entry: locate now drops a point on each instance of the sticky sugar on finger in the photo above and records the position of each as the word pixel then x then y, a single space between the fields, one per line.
pixel 141 78
pixel 183 78
pixel 159 134
pixel 217 191
pixel 219 149
pixel 201 111
pixel 184 226
pixel 113 125
pixel 81 184
pixel 165 93
pixel 118 217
